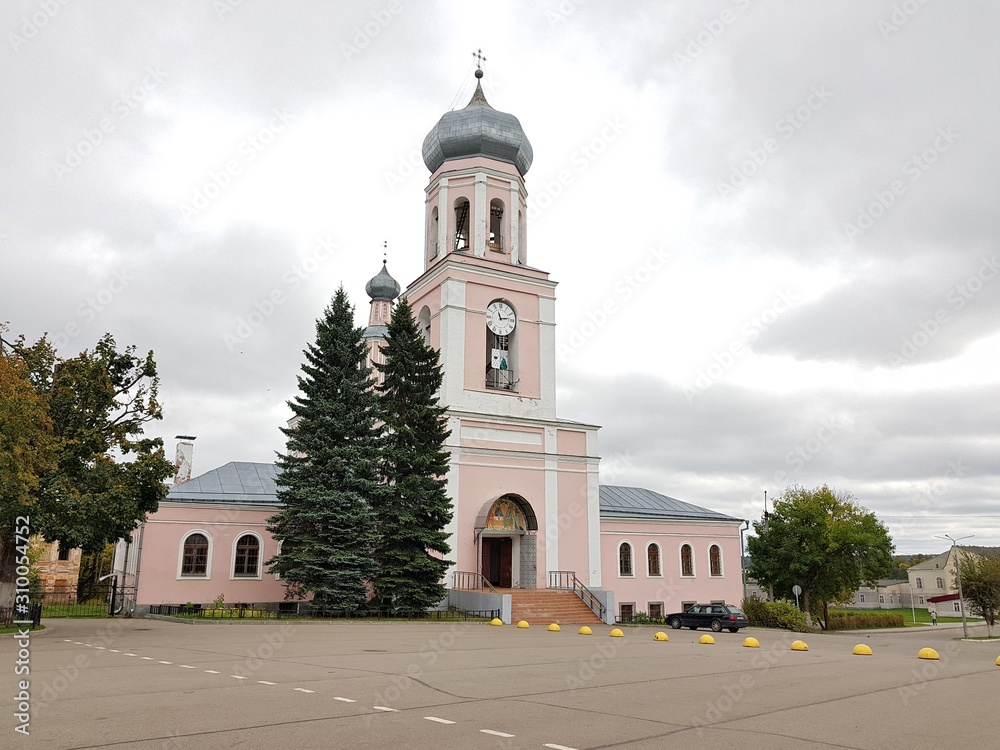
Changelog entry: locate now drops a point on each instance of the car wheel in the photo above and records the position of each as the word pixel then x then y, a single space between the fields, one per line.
pixel 675 623
pixel 692 627
pixel 734 630
pixel 716 626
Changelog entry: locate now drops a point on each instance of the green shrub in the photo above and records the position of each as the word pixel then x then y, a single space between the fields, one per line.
pixel 843 619
pixel 774 614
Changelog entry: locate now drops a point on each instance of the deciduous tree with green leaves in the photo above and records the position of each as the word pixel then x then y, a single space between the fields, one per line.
pixel 414 511
pixel 329 482
pixel 75 451
pixel 822 540
pixel 981 585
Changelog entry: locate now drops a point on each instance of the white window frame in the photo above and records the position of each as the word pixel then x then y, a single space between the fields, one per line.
pixel 208 560
pixel 260 557
pixel 619 561
pixel 722 561
pixel 680 561
pixel 659 553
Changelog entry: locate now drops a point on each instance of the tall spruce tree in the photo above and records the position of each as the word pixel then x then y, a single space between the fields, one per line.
pixel 415 509
pixel 329 478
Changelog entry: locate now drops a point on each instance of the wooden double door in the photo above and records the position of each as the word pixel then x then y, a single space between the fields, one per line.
pixel 498 556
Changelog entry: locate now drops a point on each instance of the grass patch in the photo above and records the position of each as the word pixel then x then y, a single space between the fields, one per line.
pixel 74 610
pixel 923 616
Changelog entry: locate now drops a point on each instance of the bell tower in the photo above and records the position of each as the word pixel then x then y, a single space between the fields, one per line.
pixel 491 315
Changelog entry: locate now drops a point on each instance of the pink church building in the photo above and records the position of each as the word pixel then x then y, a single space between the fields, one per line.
pixel 530 513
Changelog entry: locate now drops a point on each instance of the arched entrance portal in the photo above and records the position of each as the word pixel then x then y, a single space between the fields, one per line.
pixel 507 551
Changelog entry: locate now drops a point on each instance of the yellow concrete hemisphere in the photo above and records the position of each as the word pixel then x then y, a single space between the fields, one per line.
pixel 496 621
pixel 586 631
pixel 862 650
pixel 799 646
pixel 751 642
pixel 706 639
pixel 927 653
pixel 998 661
pixel 616 633
pixel 554 628
pixel 522 624
pixel 660 636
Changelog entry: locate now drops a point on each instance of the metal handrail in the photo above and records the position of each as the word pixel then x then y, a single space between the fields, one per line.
pixel 468 580
pixel 566 579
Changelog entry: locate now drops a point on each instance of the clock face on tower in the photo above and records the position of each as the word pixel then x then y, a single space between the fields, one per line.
pixel 500 318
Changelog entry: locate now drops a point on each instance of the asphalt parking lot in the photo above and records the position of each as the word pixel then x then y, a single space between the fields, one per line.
pixel 166 686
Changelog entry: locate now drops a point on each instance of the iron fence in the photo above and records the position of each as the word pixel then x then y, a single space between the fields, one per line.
pixel 10 615
pixel 292 610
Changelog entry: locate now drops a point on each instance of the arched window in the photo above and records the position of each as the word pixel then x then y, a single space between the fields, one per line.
pixel 424 323
pixel 64 552
pixel 940 583
pixel 246 557
pixel 496 225
pixel 920 584
pixel 625 559
pixel 461 223
pixel 715 560
pixel 653 560
pixel 522 237
pixel 687 560
pixel 194 556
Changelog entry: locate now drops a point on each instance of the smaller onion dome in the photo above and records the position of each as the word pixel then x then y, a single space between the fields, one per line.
pixel 382 285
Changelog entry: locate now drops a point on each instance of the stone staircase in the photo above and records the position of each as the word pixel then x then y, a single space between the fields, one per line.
pixel 545 606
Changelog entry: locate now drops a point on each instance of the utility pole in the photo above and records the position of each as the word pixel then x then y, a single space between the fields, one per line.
pixel 770 586
pixel 958 575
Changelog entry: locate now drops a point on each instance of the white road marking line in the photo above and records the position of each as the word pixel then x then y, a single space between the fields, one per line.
pixel 77 643
pixel 185 666
pixel 101 648
pixel 212 671
pixel 237 677
pixel 128 654
pixel 496 733
pixel 67 640
pixel 166 662
pixel 303 690
pixel 557 747
pixel 147 658
pixel 439 721
pixel 114 651
pixel 265 682
pixel 344 700
pixel 385 708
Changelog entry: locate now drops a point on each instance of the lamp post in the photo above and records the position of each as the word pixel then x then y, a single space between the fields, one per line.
pixel 958 575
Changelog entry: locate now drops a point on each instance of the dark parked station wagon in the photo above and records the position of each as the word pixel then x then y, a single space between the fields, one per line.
pixel 714 616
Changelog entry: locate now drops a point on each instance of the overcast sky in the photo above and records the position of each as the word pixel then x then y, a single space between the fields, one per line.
pixel 774 225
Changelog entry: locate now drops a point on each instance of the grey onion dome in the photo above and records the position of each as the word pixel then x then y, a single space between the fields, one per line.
pixel 478 130
pixel 382 285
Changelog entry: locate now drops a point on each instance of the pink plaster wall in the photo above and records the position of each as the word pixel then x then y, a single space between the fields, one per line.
pixel 574 522
pixel 671 588
pixel 159 582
